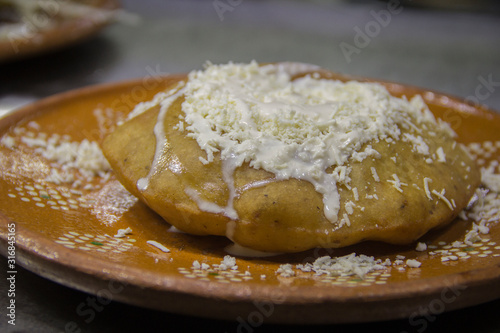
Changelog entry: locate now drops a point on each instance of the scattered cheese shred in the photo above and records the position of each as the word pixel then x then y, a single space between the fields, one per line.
pixel 396 183
pixel 413 263
pixel 285 270
pixel 196 265
pixel 349 207
pixel 374 174
pixel 421 247
pixel 426 187
pixel 441 155
pixel 441 196
pixel 418 142
pixel 228 263
pixel 345 220
pixel 71 161
pixel 355 193
pixel 123 232
pixel 351 264
pixel 158 245
pixel 8 142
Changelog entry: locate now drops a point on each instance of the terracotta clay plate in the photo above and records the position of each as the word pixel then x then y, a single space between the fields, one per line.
pixel 65 231
pixel 56 29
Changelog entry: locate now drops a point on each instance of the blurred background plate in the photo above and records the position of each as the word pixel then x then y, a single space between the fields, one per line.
pixel 32 27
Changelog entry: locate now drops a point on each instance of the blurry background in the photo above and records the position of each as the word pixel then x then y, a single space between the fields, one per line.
pixel 452 47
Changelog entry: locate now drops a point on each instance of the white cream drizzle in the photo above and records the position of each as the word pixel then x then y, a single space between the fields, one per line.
pixel 161 140
pixel 209 206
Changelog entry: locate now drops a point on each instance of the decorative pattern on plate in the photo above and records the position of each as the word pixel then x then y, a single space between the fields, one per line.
pixel 99 243
pixel 48 195
pixel 212 274
pixel 372 278
pixel 461 251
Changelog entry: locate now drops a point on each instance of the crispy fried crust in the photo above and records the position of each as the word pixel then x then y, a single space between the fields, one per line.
pixel 287 216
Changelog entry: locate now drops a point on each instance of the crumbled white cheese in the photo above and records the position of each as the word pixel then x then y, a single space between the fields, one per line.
pixel 294 129
pixel 8 141
pixel 396 183
pixel 418 142
pixel 374 174
pixel 441 155
pixel 61 177
pixel 349 207
pixel 441 196
pixel 413 263
pixel 67 156
pixel 421 246
pixel 355 193
pixel 123 232
pixel 34 125
pixel 285 270
pixel 368 152
pixel 345 220
pixel 85 156
pixel 196 265
pixel 179 126
pixel 490 176
pixel 228 263
pixel 483 207
pixel 351 264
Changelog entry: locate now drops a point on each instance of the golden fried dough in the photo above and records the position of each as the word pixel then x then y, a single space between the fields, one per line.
pixel 394 195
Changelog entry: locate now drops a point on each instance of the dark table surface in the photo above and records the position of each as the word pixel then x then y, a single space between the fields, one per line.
pixel 454 51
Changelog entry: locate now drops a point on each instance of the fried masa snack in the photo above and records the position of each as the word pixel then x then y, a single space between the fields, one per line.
pixel 279 161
